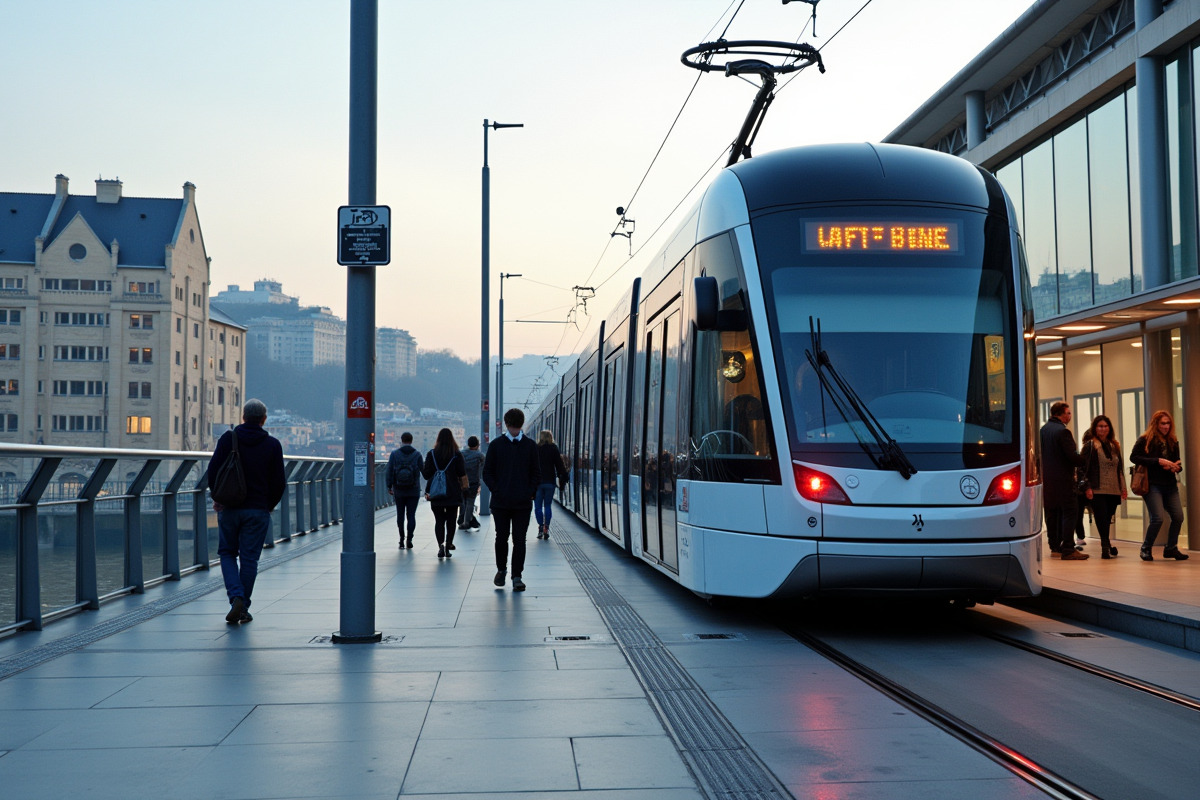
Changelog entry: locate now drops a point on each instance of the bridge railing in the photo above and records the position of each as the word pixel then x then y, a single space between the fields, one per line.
pixel 82 525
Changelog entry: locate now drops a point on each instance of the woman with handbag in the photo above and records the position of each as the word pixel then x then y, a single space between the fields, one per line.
pixel 445 478
pixel 1104 473
pixel 1158 451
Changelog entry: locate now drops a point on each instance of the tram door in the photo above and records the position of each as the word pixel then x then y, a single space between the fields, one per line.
pixel 659 441
pixel 612 418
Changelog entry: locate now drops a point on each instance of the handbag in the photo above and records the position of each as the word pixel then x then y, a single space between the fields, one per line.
pixel 1081 486
pixel 1139 480
pixel 229 484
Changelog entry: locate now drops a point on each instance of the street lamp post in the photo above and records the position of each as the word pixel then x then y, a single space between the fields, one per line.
pixel 485 433
pixel 500 374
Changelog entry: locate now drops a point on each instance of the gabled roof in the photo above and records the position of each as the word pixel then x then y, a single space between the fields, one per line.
pixel 21 219
pixel 142 226
pixel 217 315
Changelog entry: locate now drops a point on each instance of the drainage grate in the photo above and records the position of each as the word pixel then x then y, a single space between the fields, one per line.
pixel 580 638
pixel 1075 635
pixel 329 640
pixel 707 636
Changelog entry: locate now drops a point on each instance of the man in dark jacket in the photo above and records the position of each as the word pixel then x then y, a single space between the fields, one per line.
pixel 404 484
pixel 473 461
pixel 1060 457
pixel 244 529
pixel 511 473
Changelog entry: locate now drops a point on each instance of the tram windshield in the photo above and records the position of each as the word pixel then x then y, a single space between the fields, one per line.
pixel 921 328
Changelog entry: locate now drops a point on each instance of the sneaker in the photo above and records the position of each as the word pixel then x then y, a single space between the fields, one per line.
pixel 450 546
pixel 1147 555
pixel 474 523
pixel 518 584
pixel 245 617
pixel 410 541
pixel 1175 553
pixel 441 552
pixel 237 607
pixel 1074 555
pixel 499 579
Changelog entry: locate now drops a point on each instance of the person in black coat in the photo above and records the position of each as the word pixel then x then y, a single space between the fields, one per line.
pixel 1158 451
pixel 403 478
pixel 511 473
pixel 1060 458
pixel 444 457
pixel 244 529
pixel 553 471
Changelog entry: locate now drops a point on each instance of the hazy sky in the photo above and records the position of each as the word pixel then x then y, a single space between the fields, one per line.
pixel 249 101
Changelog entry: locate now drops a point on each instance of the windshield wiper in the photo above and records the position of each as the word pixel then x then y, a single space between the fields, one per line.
pixel 846 399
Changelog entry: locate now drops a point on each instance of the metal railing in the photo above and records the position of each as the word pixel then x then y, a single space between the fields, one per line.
pixel 82 525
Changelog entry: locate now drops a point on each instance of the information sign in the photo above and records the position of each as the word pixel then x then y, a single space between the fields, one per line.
pixel 364 236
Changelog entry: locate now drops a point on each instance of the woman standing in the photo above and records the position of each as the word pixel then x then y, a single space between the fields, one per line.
pixel 444 495
pixel 1104 470
pixel 552 470
pixel 1158 451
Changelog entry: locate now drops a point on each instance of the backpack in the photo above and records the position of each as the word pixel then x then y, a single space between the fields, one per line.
pixel 437 484
pixel 405 476
pixel 229 484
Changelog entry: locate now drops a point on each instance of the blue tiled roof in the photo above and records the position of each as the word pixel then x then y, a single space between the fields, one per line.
pixel 21 219
pixel 142 226
pixel 217 315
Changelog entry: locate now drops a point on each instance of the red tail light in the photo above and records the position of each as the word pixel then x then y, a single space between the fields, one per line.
pixel 1005 488
pixel 818 487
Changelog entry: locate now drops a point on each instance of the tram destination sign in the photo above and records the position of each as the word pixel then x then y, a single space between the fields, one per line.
pixel 364 236
pixel 876 236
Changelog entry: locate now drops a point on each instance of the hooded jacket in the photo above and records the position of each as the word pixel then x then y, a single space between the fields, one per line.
pixel 262 464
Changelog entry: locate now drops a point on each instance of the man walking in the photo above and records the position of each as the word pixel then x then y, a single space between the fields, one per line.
pixel 244 529
pixel 511 473
pixel 1060 457
pixel 404 484
pixel 473 460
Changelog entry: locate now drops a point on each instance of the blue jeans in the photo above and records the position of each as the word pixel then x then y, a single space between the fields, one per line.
pixel 243 532
pixel 1158 500
pixel 543 499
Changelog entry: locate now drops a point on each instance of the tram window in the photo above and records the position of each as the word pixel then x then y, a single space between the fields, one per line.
pixel 729 435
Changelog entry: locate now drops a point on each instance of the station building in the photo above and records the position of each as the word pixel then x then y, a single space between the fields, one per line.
pixel 1087 113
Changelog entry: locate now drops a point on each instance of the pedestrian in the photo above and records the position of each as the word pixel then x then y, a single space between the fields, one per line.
pixel 1059 501
pixel 404 484
pixel 553 472
pixel 1158 451
pixel 473 461
pixel 445 478
pixel 1104 470
pixel 510 471
pixel 243 529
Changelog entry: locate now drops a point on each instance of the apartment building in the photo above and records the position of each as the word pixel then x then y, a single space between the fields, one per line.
pixel 106 339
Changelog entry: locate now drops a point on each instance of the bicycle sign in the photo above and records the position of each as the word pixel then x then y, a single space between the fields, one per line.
pixel 364 238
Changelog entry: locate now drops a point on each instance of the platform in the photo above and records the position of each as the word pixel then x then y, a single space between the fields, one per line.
pixel 601 681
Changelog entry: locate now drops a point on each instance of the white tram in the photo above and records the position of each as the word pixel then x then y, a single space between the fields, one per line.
pixel 823 384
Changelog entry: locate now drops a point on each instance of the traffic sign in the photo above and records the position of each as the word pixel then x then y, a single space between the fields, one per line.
pixel 364 236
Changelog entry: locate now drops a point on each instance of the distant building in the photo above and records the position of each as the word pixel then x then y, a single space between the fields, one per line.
pixel 106 339
pixel 266 292
pixel 395 353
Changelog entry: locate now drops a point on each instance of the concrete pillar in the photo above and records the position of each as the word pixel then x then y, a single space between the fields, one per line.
pixel 976 120
pixel 1190 336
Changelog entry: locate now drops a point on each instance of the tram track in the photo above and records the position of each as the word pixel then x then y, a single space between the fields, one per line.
pixel 1049 718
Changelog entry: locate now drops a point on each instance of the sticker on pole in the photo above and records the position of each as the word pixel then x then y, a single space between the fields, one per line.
pixel 364 237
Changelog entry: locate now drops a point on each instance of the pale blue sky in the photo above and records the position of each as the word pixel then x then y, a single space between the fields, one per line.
pixel 248 100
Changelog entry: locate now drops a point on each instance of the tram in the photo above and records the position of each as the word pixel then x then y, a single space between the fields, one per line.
pixel 821 385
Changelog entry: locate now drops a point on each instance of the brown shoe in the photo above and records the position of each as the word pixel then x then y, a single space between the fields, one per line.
pixel 1074 555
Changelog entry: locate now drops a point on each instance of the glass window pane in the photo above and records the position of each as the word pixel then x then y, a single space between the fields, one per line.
pixel 1109 171
pixel 1038 174
pixel 1135 197
pixel 1010 179
pixel 1071 206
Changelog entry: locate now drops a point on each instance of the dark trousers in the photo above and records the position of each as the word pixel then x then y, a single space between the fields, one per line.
pixel 443 523
pixel 406 508
pixel 243 531
pixel 515 521
pixel 1104 506
pixel 466 514
pixel 1160 500
pixel 1060 527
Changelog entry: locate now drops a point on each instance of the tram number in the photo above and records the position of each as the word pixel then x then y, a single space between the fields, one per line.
pixel 918 522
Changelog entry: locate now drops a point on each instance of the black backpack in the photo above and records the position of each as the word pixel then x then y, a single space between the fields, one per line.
pixel 229 484
pixel 405 476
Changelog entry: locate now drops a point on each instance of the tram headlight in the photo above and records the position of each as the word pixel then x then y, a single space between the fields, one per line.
pixel 818 487
pixel 1005 488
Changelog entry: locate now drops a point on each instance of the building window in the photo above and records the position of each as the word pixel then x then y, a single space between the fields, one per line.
pixel 220 395
pixel 12 284
pixel 10 387
pixel 77 252
pixel 178 358
pixel 80 388
pixel 179 324
pixel 179 293
pixel 220 338
pixel 195 362
pixel 137 424
pixel 195 330
pixel 139 390
pixel 141 321
pixel 10 352
pixel 193 426
pixel 77 423
pixel 10 423
pixel 237 368
pixel 143 287
pixel 176 390
pixel 10 316
pixel 75 285
pixel 194 394
pixel 177 425
pixel 141 355
pixel 221 365
pixel 80 353
pixel 84 318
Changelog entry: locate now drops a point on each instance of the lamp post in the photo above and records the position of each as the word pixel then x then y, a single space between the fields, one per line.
pixel 500 354
pixel 485 359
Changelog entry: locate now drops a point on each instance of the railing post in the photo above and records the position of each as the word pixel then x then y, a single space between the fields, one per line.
pixel 86 583
pixel 134 574
pixel 29 589
pixel 171 519
pixel 285 514
pixel 200 522
pixel 301 475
